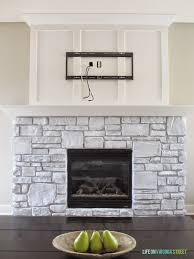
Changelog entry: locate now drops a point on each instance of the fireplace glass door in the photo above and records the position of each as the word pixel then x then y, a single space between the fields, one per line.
pixel 99 178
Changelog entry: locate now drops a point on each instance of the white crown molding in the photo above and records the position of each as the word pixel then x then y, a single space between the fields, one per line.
pixel 98 18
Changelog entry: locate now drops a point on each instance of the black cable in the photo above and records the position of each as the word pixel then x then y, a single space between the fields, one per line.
pixel 90 94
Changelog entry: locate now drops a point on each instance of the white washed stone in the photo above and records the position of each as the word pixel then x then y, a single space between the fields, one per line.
pixel 160 133
pixel 112 127
pixel 31 130
pixel 46 140
pixel 169 160
pixel 23 121
pixel 58 208
pixel 17 171
pixel 72 139
pixel 130 120
pixel 60 198
pixel 41 179
pixel 176 146
pixel 180 212
pixel 177 166
pixel 148 196
pixel 76 127
pixel 16 188
pixel 165 146
pixel 146 206
pixel 22 211
pixel 59 178
pixel 175 126
pixel 141 160
pixel 43 173
pixel 19 197
pixel 129 144
pixel 61 189
pixel 96 123
pixel 40 120
pixel 139 167
pixel 145 212
pixel 115 144
pixel 113 133
pixel 25 188
pixel 126 213
pixel 154 167
pixel 165 213
pixel 170 153
pixel 58 158
pixel 53 127
pixel 167 188
pixel 112 120
pixel 177 196
pixel 106 212
pixel 41 211
pixel 36 158
pixel 55 151
pixel 16 131
pixel 171 180
pixel 82 120
pixel 22 145
pixel 62 121
pixel 145 180
pixel 52 133
pixel 94 133
pixel 94 142
pixel 78 212
pixel 146 149
pixel 166 173
pixel 46 145
pixel 28 171
pixel 40 151
pixel 161 180
pixel 158 126
pixel 171 140
pixel 41 194
pixel 22 180
pixel 23 204
pixel 168 204
pixel 155 159
pixel 180 204
pixel 153 119
pixel 135 130
pixel 181 140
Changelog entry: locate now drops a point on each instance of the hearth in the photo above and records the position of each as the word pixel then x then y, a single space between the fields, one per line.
pixel 99 178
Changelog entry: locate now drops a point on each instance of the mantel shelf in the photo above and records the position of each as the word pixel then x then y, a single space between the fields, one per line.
pixel 97 110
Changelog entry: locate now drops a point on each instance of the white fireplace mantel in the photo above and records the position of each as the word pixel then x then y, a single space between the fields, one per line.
pixel 98 110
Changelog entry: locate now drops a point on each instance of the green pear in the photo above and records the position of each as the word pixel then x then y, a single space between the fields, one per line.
pixel 81 243
pixel 109 241
pixel 96 243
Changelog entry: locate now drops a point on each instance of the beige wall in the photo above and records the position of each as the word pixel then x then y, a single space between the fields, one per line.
pixel 14 63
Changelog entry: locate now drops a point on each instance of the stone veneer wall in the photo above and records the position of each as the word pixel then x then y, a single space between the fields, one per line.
pixel 40 172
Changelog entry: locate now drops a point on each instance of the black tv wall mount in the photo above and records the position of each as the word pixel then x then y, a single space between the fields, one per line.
pixel 100 55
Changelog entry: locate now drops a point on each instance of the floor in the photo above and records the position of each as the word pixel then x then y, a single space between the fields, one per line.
pixel 31 237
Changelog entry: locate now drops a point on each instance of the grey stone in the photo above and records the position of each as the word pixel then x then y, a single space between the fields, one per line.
pixel 41 194
pixel 161 180
pixel 22 211
pixel 167 188
pixel 55 151
pixel 176 146
pixel 179 212
pixel 53 127
pixel 112 120
pixel 158 126
pixel 112 127
pixel 106 212
pixel 94 142
pixel 31 130
pixel 41 179
pixel 169 153
pixel 153 119
pixel 139 167
pixel 25 188
pixel 129 144
pixel 52 133
pixel 177 166
pixel 61 188
pixel 16 131
pixel 141 160
pixel 154 167
pixel 155 159
pixel 165 146
pixel 113 133
pixel 17 171
pixel 46 140
pixel 23 204
pixel 145 212
pixel 46 145
pixel 58 208
pixel 135 130
pixel 96 123
pixel 175 126
pixel 126 213
pixel 40 120
pixel 115 144
pixel 43 173
pixel 146 149
pixel 171 140
pixel 60 198
pixel 181 140
pixel 165 213
pixel 160 133
pixel 23 121
pixel 130 120
pixel 77 127
pixel 28 171
pixel 169 160
pixel 58 158
pixel 180 204
pixel 166 173
pixel 22 145
pixel 41 211
pixel 178 196
pixel 36 158
pixel 22 180
pixel 40 151
pixel 82 120
pixel 62 121
pixel 16 188
pixel 145 180
pixel 72 139
pixel 146 206
pixel 148 196
pixel 19 197
pixel 168 204
pixel 175 180
pixel 78 212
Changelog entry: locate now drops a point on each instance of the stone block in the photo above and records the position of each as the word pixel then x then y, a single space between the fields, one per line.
pixel 176 126
pixel 62 121
pixel 112 127
pixel 145 212
pixel 16 188
pixel 159 133
pixel 115 144
pixel 177 196
pixel 55 151
pixel 36 158
pixel 146 149
pixel 154 167
pixel 170 153
pixel 161 180
pixel 145 180
pixel 41 179
pixel 46 140
pixel 155 160
pixel 52 133
pixel 22 145
pixel 130 120
pixel 59 178
pixel 139 167
pixel 77 127
pixel 94 133
pixel 180 204
pixel 58 208
pixel 148 196
pixel 61 189
pixel 106 213
pixel 25 188
pixel 177 167
pixel 96 123
pixel 169 160
pixel 61 198
pixel 53 127
pixel 135 130
pixel 72 139
pixel 82 120
pixel 112 120
pixel 158 126
pixel 126 213
pixel 22 211
pixel 175 180
pixel 78 212
pixel 94 142
pixel 146 206
pixel 41 194
pixel 167 188
pixel 40 120
pixel 166 173
pixel 28 171
pixel 40 151
pixel 176 146
pixel 41 211
pixel 31 130
pixel 19 197
pixel 22 180
pixel 165 213
pixel 23 121
pixel 113 133
pixel 168 204
pixel 58 158
pixel 153 120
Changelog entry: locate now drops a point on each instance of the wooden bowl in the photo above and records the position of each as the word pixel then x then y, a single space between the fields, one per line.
pixel 65 241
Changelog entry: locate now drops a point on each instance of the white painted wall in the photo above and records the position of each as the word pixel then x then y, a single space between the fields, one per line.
pixel 181 39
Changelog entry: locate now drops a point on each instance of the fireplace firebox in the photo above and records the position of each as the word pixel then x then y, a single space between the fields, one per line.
pixel 99 178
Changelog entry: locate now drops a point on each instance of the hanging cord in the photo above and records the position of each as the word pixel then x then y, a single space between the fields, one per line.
pixel 90 94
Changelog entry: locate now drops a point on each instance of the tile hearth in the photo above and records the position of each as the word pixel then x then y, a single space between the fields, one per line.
pixel 40 166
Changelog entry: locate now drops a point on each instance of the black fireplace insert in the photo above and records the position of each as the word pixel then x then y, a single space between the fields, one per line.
pixel 99 178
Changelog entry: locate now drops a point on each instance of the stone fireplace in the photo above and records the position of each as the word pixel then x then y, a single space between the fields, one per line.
pixel 42 175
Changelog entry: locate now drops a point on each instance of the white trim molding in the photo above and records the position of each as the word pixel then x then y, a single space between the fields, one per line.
pixel 98 18
pixel 5 209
